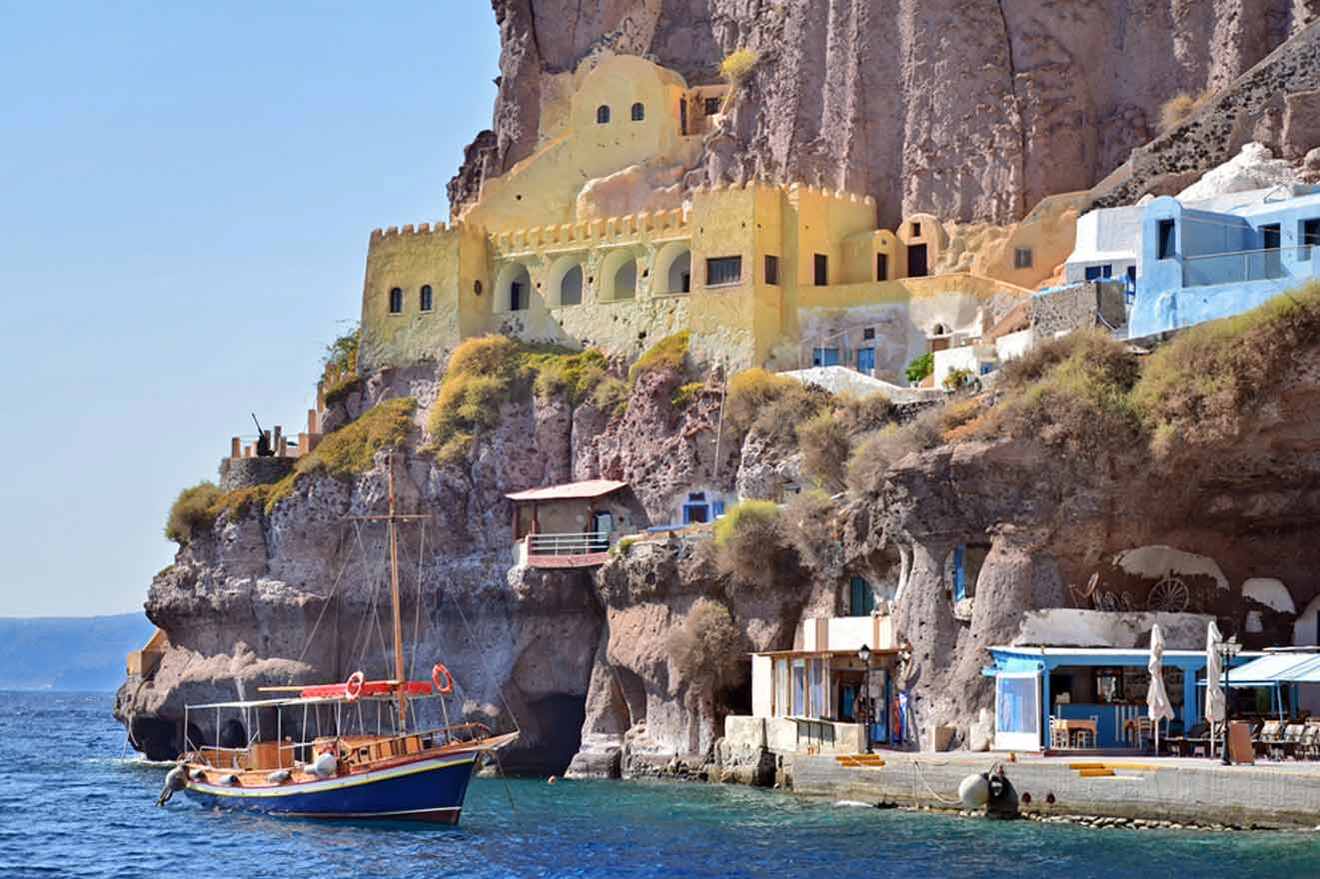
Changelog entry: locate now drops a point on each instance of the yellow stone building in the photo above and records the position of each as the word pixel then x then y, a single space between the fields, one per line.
pixel 593 240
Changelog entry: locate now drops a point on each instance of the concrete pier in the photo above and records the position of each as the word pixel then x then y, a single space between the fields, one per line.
pixel 1190 790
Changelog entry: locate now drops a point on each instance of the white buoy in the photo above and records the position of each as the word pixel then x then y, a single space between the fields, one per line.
pixel 974 792
pixel 279 776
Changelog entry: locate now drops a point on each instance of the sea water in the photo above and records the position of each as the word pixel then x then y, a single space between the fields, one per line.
pixel 74 803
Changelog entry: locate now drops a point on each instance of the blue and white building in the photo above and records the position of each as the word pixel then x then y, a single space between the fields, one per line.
pixel 1196 261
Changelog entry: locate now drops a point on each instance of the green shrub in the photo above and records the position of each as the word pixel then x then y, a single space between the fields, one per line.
pixel 773 404
pixel 192 512
pixel 737 64
pixel 687 394
pixel 878 451
pixel 339 367
pixel 956 379
pixel 1204 387
pixel 486 372
pixel 235 504
pixel 623 547
pixel 746 540
pixel 1071 391
pixel 865 414
pixel 919 368
pixel 351 449
pixel 669 354
pixel 708 647
pixel 610 395
pixel 572 375
pixel 825 446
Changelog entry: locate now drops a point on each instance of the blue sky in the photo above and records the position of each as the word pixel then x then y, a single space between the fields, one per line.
pixel 186 193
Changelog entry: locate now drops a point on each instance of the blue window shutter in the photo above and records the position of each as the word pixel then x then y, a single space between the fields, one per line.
pixel 687 514
pixel 959 575
pixel 718 508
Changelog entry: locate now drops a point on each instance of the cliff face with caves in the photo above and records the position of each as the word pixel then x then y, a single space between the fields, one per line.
pixel 969 109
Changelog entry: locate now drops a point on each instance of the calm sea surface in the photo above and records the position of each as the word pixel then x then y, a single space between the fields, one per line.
pixel 72 804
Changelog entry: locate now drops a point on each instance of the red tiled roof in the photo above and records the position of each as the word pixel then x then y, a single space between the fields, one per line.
pixel 569 491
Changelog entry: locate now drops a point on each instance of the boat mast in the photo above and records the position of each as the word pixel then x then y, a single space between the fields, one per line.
pixel 400 683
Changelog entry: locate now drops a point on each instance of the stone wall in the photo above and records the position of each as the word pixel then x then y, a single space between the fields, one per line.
pixel 1077 306
pixel 1252 108
pixel 245 472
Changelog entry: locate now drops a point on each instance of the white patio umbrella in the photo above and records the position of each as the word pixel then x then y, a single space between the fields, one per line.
pixel 1214 693
pixel 1157 700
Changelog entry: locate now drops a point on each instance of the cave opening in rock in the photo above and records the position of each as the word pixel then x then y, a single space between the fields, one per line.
pixel 736 695
pixel 558 720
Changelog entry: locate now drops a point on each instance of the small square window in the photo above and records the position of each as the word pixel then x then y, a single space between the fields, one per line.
pixel 723 270
pixel 1022 258
pixel 771 269
pixel 868 334
pixel 914 230
pixel 712 106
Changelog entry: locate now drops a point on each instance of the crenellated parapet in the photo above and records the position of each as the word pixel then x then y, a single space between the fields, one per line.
pixel 586 234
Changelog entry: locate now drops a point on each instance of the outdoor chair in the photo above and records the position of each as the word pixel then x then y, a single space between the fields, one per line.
pixel 1291 741
pixel 1058 734
pixel 1308 747
pixel 1267 736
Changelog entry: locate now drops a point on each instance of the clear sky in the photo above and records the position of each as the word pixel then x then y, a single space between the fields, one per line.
pixel 186 193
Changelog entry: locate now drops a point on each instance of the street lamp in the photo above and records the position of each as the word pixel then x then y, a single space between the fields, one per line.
pixel 1227 650
pixel 865 656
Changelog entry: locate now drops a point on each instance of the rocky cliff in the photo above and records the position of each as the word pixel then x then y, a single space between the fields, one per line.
pixel 969 109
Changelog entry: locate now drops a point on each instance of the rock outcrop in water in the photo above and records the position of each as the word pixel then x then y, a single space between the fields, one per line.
pixel 968 109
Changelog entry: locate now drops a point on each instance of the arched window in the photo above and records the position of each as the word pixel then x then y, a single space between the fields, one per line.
pixel 638 112
pixel 396 301
pixel 602 115
pixel 425 299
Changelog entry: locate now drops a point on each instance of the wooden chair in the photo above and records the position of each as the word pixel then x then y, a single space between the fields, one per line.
pixel 1058 733
pixel 1266 736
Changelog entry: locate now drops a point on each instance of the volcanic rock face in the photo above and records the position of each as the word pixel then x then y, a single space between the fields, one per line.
pixel 969 109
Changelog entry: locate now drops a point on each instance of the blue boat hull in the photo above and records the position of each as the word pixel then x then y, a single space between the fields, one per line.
pixel 430 789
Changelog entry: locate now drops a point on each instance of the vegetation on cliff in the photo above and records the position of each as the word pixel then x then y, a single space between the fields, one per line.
pixel 669 354
pixel 1090 393
pixel 192 512
pixel 351 449
pixel 488 371
pixel 746 538
pixel 339 368
pixel 708 648
pixel 1204 387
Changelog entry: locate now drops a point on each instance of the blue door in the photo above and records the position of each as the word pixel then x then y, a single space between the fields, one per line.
pixel 825 357
pixel 866 360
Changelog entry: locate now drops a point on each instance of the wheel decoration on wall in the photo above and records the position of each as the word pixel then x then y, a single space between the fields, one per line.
pixel 1169 594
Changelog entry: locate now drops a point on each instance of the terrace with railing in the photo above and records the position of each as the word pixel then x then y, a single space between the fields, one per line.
pixel 1242 266
pixel 579 550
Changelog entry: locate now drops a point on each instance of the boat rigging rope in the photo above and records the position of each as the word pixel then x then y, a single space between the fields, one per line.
pixel 417 607
pixel 333 590
pixel 481 656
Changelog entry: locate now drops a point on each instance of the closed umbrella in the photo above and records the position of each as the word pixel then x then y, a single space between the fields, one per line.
pixel 1214 694
pixel 1157 700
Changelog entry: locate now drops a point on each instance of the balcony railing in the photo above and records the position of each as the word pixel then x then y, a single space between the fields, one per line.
pixel 580 543
pixel 1241 266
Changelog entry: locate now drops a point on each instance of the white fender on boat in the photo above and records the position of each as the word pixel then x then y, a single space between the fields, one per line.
pixel 279 776
pixel 974 792
pixel 175 779
pixel 325 765
pixel 229 779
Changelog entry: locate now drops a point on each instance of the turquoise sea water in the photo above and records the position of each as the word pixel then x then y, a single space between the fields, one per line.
pixel 72 805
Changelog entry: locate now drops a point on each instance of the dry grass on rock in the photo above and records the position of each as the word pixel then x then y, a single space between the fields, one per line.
pixel 708 647
pixel 748 538
pixel 192 512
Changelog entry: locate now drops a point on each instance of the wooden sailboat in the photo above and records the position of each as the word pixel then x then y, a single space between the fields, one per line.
pixel 352 750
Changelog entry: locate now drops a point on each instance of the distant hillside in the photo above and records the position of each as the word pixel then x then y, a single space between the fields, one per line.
pixel 69 653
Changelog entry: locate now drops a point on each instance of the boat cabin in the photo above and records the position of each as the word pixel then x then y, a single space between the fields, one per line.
pixel 572 525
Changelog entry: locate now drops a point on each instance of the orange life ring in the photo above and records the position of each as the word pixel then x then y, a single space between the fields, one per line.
pixel 438 674
pixel 353 686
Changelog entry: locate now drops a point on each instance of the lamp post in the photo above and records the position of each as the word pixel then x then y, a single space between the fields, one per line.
pixel 1227 650
pixel 865 656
